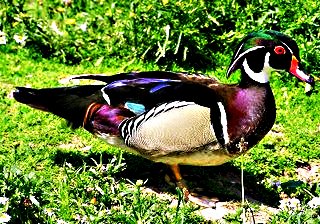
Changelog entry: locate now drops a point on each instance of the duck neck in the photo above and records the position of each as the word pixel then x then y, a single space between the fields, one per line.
pixel 253 113
pixel 246 82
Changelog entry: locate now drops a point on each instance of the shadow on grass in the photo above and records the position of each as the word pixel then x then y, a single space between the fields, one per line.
pixel 220 182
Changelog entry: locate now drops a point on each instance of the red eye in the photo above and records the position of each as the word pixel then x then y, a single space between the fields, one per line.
pixel 279 50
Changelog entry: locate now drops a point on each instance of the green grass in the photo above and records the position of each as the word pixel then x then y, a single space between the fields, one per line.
pixel 51 173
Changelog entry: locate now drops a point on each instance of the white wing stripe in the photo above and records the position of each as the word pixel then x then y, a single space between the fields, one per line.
pixel 105 96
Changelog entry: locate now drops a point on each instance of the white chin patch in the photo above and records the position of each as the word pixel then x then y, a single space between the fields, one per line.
pixel 263 76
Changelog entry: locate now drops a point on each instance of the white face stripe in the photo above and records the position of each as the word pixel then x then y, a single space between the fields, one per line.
pixel 287 47
pixel 263 76
pixel 241 55
pixel 236 55
pixel 224 123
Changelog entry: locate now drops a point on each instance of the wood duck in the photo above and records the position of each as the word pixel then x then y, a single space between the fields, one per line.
pixel 180 118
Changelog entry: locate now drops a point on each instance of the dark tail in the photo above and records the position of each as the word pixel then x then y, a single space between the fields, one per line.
pixel 70 103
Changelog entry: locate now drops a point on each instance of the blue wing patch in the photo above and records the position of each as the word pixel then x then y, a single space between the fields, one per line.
pixel 136 108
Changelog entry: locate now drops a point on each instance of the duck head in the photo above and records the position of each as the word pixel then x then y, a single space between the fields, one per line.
pixel 262 52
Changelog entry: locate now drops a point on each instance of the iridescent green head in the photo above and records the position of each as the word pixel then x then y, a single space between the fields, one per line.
pixel 262 52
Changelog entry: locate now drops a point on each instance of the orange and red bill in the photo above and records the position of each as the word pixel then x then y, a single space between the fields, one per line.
pixel 300 74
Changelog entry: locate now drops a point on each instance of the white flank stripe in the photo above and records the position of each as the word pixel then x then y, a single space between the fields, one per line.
pixel 159 108
pixel 137 121
pixel 171 105
pixel 129 127
pixel 123 129
pixel 185 103
pixel 224 122
pixel 178 104
pixel 150 113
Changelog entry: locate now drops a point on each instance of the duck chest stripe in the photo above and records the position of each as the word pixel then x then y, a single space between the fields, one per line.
pixel 219 123
pixel 224 123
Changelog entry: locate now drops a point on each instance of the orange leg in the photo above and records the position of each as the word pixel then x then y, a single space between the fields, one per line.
pixel 205 202
pixel 176 172
pixel 179 180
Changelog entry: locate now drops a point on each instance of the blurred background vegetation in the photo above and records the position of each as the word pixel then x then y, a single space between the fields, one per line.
pixel 195 33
